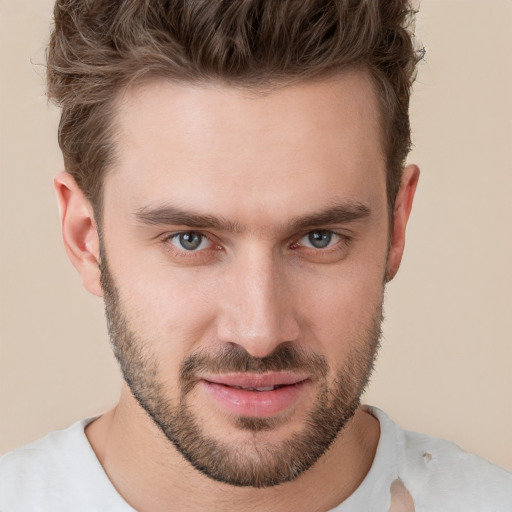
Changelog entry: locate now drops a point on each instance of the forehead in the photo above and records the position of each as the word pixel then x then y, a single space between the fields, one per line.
pixel 240 153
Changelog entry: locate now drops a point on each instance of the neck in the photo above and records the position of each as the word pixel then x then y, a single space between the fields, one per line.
pixel 151 475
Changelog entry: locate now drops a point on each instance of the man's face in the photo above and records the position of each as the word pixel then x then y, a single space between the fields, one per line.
pixel 245 240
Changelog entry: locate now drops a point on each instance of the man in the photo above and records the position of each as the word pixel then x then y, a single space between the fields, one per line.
pixel 236 191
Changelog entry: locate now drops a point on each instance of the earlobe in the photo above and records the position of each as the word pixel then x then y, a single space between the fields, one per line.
pixel 79 231
pixel 401 212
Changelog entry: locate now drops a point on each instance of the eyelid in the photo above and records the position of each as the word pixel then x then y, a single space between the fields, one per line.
pixel 340 245
pixel 176 241
pixel 342 236
pixel 170 234
pixel 335 239
pixel 168 237
pixel 334 253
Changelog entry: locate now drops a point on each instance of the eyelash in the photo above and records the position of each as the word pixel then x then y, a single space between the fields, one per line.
pixel 183 253
pixel 339 246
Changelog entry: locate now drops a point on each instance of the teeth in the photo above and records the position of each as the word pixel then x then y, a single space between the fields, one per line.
pixel 263 388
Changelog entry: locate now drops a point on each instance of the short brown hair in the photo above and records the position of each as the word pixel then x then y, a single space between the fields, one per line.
pixel 99 47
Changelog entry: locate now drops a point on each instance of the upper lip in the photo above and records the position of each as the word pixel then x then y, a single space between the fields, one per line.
pixel 256 380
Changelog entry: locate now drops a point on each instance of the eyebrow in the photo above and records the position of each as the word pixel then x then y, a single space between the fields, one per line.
pixel 172 216
pixel 337 214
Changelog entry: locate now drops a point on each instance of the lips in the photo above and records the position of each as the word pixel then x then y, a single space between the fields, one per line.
pixel 256 380
pixel 256 395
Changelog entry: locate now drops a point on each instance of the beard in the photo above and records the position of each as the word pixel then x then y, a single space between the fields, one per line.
pixel 257 462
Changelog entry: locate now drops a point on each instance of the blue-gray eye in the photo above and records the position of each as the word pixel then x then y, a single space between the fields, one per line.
pixel 190 241
pixel 320 239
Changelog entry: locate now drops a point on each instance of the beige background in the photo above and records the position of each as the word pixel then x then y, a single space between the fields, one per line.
pixel 445 367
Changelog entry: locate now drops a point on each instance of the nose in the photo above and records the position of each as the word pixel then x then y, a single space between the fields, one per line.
pixel 257 306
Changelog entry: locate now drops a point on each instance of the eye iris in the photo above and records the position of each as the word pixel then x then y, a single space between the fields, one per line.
pixel 320 239
pixel 190 241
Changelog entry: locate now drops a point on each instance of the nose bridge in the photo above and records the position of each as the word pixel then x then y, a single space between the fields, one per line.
pixel 259 313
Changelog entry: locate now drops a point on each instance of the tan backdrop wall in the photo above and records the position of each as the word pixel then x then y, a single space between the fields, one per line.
pixel 445 366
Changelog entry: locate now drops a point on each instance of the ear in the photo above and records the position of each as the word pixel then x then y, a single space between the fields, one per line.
pixel 79 231
pixel 401 212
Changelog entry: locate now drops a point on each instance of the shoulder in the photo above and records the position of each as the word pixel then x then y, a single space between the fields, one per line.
pixel 42 458
pixel 35 470
pixel 441 476
pixel 443 465
pixel 55 473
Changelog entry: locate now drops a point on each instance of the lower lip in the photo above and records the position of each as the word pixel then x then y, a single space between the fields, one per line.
pixel 255 404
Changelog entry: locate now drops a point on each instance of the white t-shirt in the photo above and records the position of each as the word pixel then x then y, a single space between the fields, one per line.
pixel 411 472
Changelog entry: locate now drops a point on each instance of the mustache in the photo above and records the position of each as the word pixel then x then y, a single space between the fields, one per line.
pixel 235 359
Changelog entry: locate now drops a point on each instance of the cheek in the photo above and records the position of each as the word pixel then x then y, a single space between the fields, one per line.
pixel 341 308
pixel 169 309
pixel 165 306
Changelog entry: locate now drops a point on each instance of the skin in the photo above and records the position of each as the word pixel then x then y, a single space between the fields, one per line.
pixel 261 161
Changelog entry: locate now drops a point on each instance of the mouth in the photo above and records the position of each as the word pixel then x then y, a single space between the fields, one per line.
pixel 261 388
pixel 256 395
